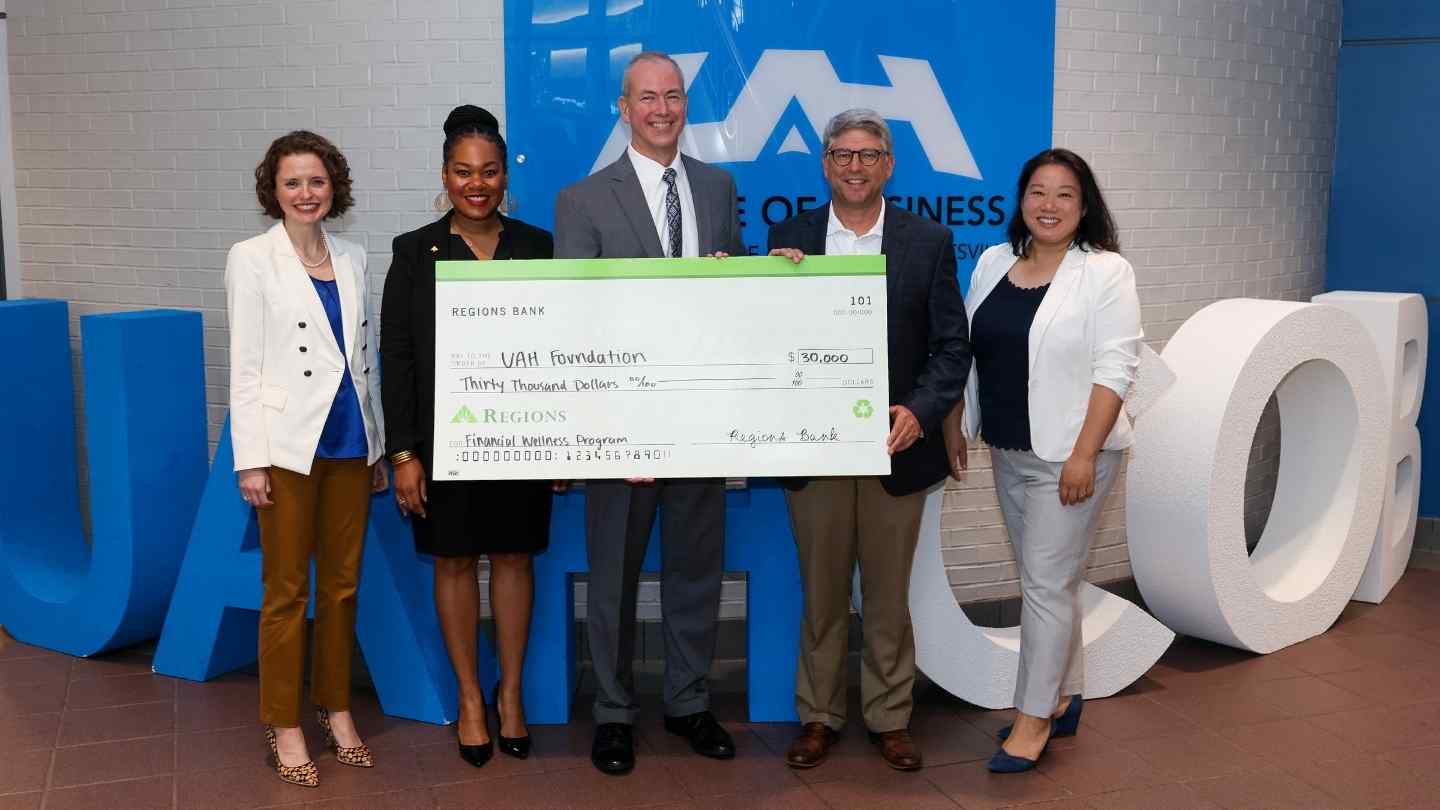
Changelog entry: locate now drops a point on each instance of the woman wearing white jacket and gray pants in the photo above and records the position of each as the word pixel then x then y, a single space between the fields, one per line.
pixel 1055 329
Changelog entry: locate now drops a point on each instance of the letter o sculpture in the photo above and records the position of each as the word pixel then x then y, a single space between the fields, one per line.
pixel 980 664
pixel 1186 489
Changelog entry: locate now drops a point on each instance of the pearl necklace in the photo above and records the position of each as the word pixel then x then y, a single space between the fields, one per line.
pixel 323 257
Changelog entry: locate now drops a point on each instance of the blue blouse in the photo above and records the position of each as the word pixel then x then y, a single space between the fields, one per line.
pixel 344 433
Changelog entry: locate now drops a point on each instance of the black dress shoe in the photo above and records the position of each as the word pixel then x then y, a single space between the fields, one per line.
pixel 614 750
pixel 706 736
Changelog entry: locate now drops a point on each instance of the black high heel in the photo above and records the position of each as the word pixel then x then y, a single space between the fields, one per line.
pixel 476 755
pixel 518 747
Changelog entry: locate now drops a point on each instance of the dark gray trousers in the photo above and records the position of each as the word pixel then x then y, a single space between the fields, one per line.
pixel 618 520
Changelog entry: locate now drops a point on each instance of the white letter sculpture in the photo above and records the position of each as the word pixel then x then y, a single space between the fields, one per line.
pixel 1185 489
pixel 979 664
pixel 1399 325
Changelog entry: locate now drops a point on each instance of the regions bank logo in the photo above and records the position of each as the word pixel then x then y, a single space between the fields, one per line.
pixel 807 77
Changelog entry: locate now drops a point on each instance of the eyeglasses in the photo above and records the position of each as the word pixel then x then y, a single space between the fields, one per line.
pixel 868 157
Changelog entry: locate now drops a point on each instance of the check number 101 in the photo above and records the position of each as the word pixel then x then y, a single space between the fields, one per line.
pixel 832 357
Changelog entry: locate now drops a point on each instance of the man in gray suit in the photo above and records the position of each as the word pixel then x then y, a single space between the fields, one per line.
pixel 652 202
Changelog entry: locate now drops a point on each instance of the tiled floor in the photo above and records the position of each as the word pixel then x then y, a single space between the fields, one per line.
pixel 1351 719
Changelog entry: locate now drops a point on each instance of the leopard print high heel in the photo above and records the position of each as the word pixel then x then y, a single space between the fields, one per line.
pixel 356 757
pixel 304 774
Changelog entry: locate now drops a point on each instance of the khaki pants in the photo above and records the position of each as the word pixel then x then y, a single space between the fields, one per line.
pixel 837 523
pixel 320 515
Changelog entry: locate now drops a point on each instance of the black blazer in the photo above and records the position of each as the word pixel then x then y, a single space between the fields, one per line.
pixel 929 345
pixel 407 325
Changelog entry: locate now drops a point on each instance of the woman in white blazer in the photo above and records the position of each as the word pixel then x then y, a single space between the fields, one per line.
pixel 1055 332
pixel 306 432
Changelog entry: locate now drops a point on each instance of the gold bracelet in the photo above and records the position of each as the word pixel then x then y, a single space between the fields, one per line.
pixel 401 456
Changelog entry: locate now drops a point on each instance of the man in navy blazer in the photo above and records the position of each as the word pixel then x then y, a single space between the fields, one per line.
pixel 652 202
pixel 839 521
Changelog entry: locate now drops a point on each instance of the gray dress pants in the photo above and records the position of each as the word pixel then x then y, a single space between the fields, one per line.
pixel 1052 543
pixel 618 520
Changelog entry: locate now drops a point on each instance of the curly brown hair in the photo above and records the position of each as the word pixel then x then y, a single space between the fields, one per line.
pixel 302 142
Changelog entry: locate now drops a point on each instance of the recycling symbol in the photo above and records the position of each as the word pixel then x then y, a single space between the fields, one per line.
pixel 862 409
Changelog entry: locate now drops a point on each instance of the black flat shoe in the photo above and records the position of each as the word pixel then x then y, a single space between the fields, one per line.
pixel 518 747
pixel 707 737
pixel 614 750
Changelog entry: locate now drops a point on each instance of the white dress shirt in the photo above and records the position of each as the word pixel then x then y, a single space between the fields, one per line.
pixel 652 182
pixel 841 241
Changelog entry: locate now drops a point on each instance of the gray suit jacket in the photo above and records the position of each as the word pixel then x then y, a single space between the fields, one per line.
pixel 604 216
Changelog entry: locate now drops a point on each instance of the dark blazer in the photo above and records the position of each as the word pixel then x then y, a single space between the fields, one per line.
pixel 604 216
pixel 928 333
pixel 407 325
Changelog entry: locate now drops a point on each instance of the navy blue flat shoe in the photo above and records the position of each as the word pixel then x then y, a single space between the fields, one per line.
pixel 1066 725
pixel 1005 763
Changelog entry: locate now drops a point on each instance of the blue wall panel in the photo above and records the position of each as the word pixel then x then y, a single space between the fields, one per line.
pixel 1390 19
pixel 1384 196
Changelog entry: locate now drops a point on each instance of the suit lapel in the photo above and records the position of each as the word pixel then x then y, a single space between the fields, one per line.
pixel 704 241
pixel 1061 287
pixel 893 246
pixel 435 244
pixel 347 286
pixel 632 202
pixel 294 278
pixel 814 236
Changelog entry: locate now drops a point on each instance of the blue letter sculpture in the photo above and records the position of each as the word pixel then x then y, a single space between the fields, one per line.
pixel 145 432
pixel 213 626
pixel 758 541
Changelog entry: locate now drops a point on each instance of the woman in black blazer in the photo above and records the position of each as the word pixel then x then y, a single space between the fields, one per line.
pixel 458 521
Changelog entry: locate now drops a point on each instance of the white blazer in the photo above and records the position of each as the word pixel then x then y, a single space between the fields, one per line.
pixel 1086 332
pixel 285 365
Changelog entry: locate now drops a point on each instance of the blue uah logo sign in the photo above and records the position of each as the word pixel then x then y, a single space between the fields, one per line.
pixel 966 87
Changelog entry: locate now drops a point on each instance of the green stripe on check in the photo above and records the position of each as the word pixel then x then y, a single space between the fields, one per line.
pixel 594 269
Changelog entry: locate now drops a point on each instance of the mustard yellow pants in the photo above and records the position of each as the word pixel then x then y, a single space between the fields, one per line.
pixel 321 516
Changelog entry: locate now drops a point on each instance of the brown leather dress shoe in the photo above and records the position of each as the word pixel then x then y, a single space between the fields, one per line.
pixel 898 749
pixel 810 748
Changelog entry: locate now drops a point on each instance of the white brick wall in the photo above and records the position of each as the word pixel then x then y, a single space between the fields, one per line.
pixel 9 232
pixel 138 123
pixel 1211 125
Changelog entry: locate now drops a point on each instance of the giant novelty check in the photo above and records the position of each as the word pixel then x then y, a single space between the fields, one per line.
pixel 610 368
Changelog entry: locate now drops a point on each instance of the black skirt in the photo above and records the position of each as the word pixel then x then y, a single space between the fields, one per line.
pixel 471 518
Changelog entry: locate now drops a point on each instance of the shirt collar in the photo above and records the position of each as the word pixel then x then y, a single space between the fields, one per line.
pixel 650 171
pixel 835 226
